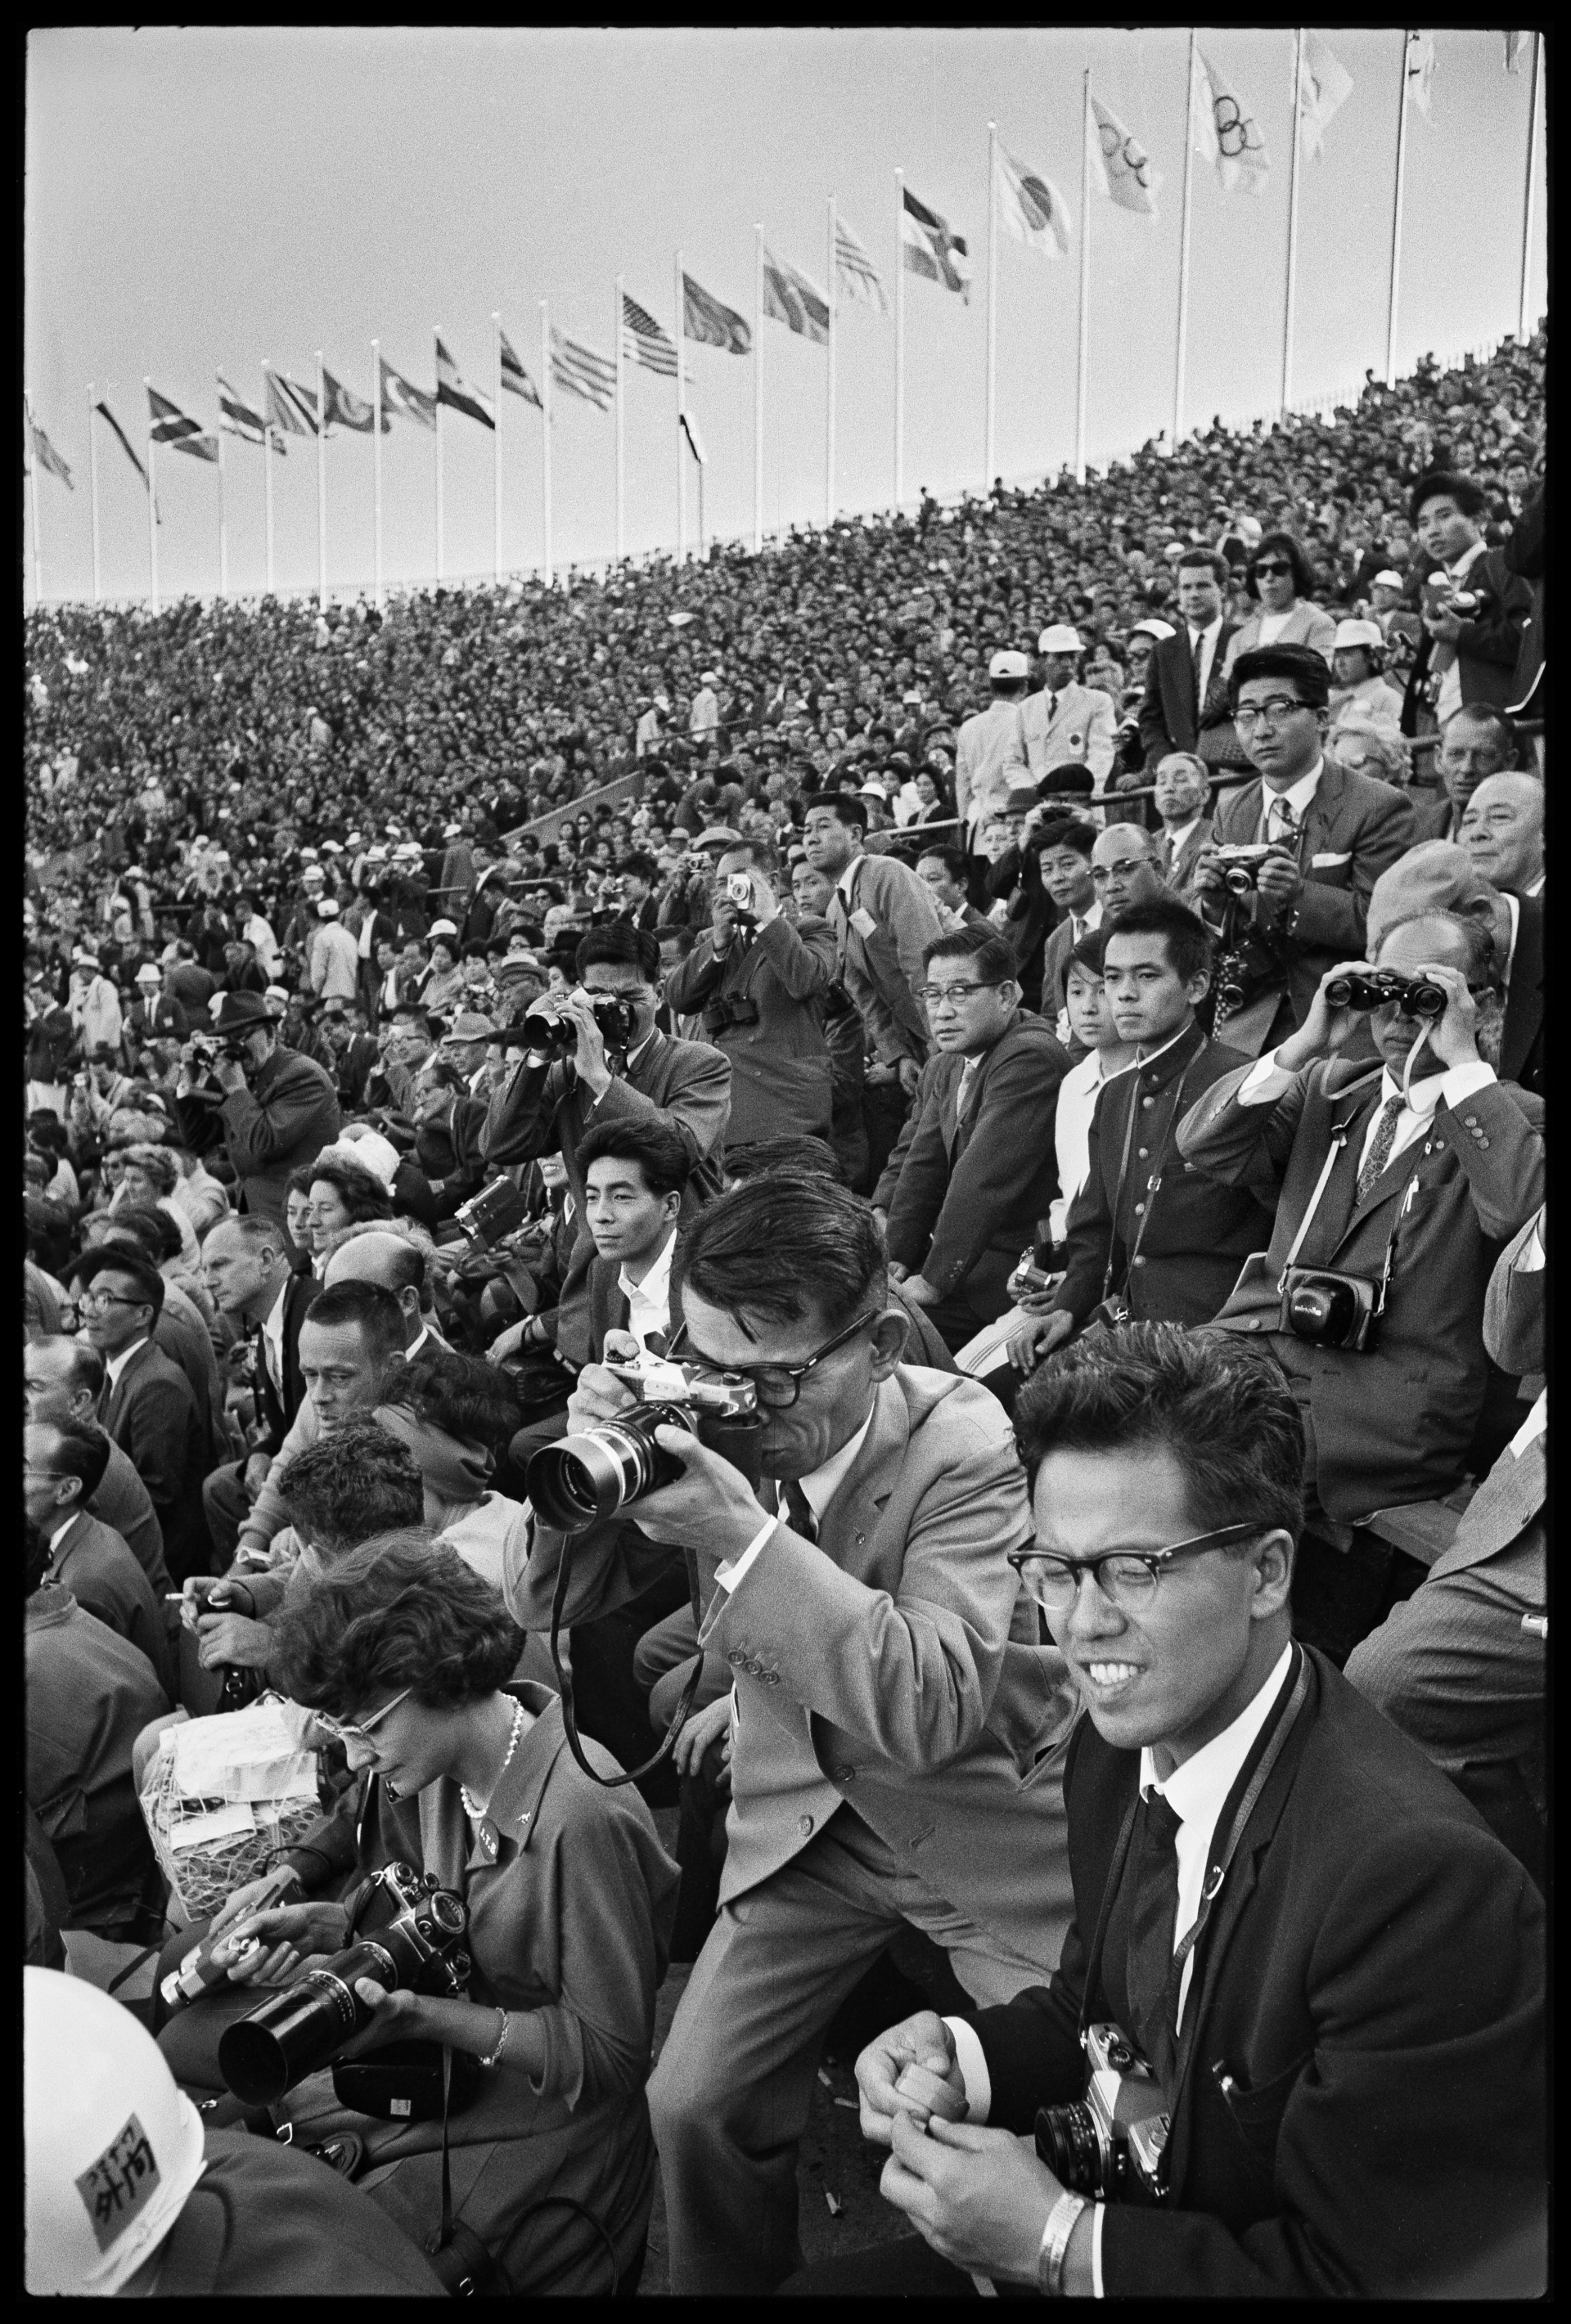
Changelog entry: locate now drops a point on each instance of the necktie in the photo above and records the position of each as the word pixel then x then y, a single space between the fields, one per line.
pixel 1052 707
pixel 799 1510
pixel 1380 1149
pixel 1284 823
pixel 967 1091
pixel 1152 1931
pixel 1198 647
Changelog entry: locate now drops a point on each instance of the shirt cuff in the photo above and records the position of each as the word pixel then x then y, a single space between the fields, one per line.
pixel 1264 1083
pixel 973 2065
pixel 1099 2212
pixel 1459 1083
pixel 1532 1258
pixel 729 1574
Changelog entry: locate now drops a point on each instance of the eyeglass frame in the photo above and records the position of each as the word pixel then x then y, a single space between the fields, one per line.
pixel 795 1373
pixel 1274 570
pixel 929 995
pixel 344 1730
pixel 1275 707
pixel 1155 1561
pixel 93 1298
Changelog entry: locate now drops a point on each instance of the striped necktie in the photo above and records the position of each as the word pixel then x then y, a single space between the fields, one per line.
pixel 1380 1149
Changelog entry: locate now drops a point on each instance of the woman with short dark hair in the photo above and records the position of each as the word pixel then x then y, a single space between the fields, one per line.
pixel 1282 579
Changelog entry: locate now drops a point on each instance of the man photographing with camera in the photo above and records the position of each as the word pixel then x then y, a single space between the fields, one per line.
pixel 277 1109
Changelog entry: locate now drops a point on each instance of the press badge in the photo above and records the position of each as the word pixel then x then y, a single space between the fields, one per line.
pixel 863 921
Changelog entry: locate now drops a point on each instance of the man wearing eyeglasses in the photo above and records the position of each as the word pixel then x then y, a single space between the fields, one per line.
pixel 148 1406
pixel 1331 833
pixel 1331 1967
pixel 895 1740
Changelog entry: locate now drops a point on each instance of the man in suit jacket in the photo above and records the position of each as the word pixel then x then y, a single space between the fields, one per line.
pixel 975 1169
pixel 1475 742
pixel 279 1108
pixel 1066 724
pixel 1475 609
pixel 1436 876
pixel 1350 2058
pixel 1065 847
pixel 896 1738
pixel 883 919
pixel 1333 834
pixel 63 1468
pixel 64 1381
pixel 148 1406
pixel 1185 692
pixel 1410 1187
pixel 245 1265
pixel 1183 786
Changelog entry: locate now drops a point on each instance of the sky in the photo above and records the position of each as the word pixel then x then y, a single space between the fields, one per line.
pixel 205 199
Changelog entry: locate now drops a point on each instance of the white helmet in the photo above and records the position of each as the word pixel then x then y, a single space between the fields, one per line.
pixel 114 2147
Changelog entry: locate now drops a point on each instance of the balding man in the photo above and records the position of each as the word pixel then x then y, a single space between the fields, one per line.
pixel 1502 832
pixel 64 1380
pixel 1436 876
pixel 248 1270
pixel 1125 867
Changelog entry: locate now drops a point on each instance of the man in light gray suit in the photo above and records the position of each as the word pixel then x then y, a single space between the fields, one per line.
pixel 1066 724
pixel 883 918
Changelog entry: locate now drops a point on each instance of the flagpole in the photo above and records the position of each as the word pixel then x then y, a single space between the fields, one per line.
pixel 377 469
pixel 33 497
pixel 1396 268
pixel 436 342
pixel 321 489
pixel 991 302
pixel 681 414
pixel 267 470
pixel 496 458
pixel 1083 365
pixel 830 389
pixel 1293 214
pixel 1537 40
pixel 223 526
pixel 92 487
pixel 1184 254
pixel 545 440
pixel 621 429
pixel 151 506
pixel 757 402
pixel 898 337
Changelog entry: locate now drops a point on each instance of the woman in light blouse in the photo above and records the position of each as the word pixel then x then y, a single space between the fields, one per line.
pixel 1281 578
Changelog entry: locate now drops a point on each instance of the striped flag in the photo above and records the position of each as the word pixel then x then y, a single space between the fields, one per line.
pixel 121 437
pixel 644 341
pixel 1128 178
pixel 44 453
pixel 349 409
pixel 1420 70
pixel 704 318
pixel 400 395
pixel 456 393
pixel 291 409
pixel 932 248
pixel 855 271
pixel 793 299
pixel 171 426
pixel 515 380
pixel 1323 90
pixel 1231 139
pixel 1032 207
pixel 236 418
pixel 583 370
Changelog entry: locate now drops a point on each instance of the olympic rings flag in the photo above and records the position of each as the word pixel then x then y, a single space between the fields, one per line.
pixel 1127 176
pixel 1231 139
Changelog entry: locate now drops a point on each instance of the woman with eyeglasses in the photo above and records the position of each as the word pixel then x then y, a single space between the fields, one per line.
pixel 403 1655
pixel 1282 579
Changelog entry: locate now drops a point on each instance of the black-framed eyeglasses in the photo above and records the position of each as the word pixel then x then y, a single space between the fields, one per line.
pixel 1249 715
pixel 931 995
pixel 1270 569
pixel 96 1299
pixel 778 1385
pixel 1128 1577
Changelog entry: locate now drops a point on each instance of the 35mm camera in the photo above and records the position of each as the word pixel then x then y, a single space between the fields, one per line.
pixel 1112 2142
pixel 594 1473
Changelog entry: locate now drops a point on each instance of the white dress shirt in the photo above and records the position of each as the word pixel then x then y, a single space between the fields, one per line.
pixel 1449 697
pixel 114 1365
pixel 648 1302
pixel 1452 1087
pixel 1297 796
pixel 273 1339
pixel 1078 1094
pixel 819 1489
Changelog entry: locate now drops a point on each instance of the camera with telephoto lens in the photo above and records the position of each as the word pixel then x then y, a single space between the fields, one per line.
pixel 1240 867
pixel 1112 2143
pixel 412 1945
pixel 558 1036
pixel 1377 987
pixel 594 1473
pixel 494 1213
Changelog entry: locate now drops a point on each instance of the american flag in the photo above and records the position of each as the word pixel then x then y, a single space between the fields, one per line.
pixel 644 341
pixel 583 371
pixel 855 271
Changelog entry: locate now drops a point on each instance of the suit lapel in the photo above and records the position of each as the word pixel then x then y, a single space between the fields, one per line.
pixel 851 1516
pixel 1320 824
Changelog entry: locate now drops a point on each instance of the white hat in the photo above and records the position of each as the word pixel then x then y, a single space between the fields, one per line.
pixel 327 908
pixel 376 855
pixel 1059 639
pixel 453 830
pixel 81 958
pixel 705 677
pixel 331 847
pixel 1356 633
pixel 313 871
pixel 1008 665
pixel 276 992
pixel 148 974
pixel 874 788
pixel 368 1147
pixel 1387 580
pixel 443 928
pixel 1152 627
pixel 308 855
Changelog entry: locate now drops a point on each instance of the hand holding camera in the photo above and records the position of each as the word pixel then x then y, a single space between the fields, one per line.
pixel 684 1447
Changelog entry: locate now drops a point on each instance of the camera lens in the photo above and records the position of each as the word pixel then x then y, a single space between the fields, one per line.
pixel 1239 882
pixel 293 2032
pixel 597 1472
pixel 1067 2142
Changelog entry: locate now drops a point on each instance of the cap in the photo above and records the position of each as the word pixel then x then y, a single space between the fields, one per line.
pixel 376 855
pixel 720 836
pixel 312 871
pixel 82 958
pixel 331 847
pixel 1152 627
pixel 518 963
pixel 468 1025
pixel 705 677
pixel 1356 633
pixel 1008 665
pixel 353 840
pixel 277 993
pixel 1020 799
pixel 239 1012
pixel 328 908
pixel 443 928
pixel 874 788
pixel 308 855
pixel 1059 639
pixel 1387 580
pixel 452 831
pixel 148 974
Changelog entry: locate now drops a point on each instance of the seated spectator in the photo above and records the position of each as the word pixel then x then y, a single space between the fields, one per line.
pixel 1474 743
pixel 63 1468
pixel 1361 748
pixel 64 1380
pixel 1358 687
pixel 246 1264
pixel 1436 876
pixel 1502 834
pixel 148 1406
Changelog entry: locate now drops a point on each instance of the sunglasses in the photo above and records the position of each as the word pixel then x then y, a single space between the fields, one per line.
pixel 1271 567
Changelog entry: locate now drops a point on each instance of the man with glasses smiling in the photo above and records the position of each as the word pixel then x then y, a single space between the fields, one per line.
pixel 897 1731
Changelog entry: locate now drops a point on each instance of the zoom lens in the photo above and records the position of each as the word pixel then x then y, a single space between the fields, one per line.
pixel 590 1476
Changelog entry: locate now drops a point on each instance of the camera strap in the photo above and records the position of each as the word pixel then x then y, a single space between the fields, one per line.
pixel 1338 1140
pixel 565 1680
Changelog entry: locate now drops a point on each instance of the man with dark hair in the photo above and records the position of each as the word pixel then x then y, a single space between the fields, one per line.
pixel 877 1762
pixel 1475 742
pixel 942 872
pixel 1332 833
pixel 882 917
pixel 277 1109
pixel 974 1167
pixel 546 1107
pixel 635 1173
pixel 1186 694
pixel 347 1486
pixel 62 1467
pixel 639 876
pixel 808 1158
pixel 148 1405
pixel 1161 1243
pixel 1064 844
pixel 1473 608
pixel 247 1269
pixel 64 1381
pixel 1298 1923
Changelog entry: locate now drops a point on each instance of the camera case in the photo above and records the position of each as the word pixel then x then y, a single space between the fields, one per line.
pixel 401 2082
pixel 1329 1310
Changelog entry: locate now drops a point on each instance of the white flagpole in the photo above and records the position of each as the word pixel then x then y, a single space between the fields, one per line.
pixel 152 507
pixel 267 473
pixel 831 284
pixel 32 497
pixel 223 527
pixel 1293 174
pixel 682 409
pixel 545 440
pixel 496 458
pixel 436 338
pixel 991 302
pixel 321 489
pixel 898 337
pixel 1184 254
pixel 757 402
pixel 621 429
pixel 93 487
pixel 1083 367
pixel 377 469
pixel 1537 40
pixel 1391 311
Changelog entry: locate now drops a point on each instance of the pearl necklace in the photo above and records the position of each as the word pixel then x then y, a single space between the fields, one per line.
pixel 473 1809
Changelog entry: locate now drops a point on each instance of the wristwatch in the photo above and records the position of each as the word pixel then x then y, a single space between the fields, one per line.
pixel 1055 2242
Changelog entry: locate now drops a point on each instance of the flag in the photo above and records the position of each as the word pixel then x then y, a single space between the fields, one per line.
pixel 286 412
pixel 704 317
pixel 583 370
pixel 644 341
pixel 238 418
pixel 932 247
pixel 1128 178
pixel 1032 207
pixel 400 395
pixel 515 380
pixel 1420 70
pixel 455 393
pixel 171 426
pixel 44 453
pixel 695 441
pixel 1517 45
pixel 1231 139
pixel 1322 90
pixel 795 301
pixel 347 409
pixel 853 270
pixel 124 443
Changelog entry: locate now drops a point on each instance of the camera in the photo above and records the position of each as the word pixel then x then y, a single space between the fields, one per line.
pixel 1029 1277
pixel 413 1946
pixel 1111 2144
pixel 739 1010
pixel 1419 996
pixel 558 1036
pixel 584 1477
pixel 494 1213
pixel 739 894
pixel 203 1049
pixel 1329 1310
pixel 1240 867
